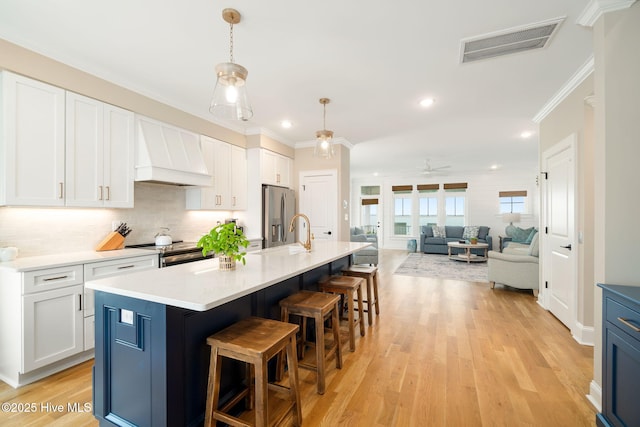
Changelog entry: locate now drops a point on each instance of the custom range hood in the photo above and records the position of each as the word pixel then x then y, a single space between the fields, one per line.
pixel 168 155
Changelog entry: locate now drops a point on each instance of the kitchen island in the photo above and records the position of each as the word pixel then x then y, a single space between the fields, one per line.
pixel 151 357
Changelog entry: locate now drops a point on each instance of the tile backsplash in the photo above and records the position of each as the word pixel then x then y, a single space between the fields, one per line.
pixel 42 231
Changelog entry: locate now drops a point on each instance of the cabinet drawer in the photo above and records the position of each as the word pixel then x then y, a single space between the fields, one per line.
pixel 98 270
pixel 51 278
pixel 623 317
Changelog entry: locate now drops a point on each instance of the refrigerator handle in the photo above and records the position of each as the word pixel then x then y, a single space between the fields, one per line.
pixel 283 234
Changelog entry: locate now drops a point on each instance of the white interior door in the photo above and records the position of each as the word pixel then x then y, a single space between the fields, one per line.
pixel 319 201
pixel 559 249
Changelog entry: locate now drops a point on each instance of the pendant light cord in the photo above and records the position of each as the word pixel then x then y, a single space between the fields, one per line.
pixel 231 42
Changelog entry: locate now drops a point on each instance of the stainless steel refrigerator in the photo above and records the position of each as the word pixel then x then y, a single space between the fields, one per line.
pixel 278 207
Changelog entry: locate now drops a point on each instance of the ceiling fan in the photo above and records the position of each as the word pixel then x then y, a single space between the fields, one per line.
pixel 427 169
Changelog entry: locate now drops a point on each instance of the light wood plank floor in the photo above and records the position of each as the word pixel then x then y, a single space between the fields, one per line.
pixel 441 353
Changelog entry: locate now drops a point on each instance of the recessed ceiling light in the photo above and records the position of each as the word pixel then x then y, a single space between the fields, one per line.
pixel 427 102
pixel 526 134
pixel 286 124
pixel 375 174
pixel 493 167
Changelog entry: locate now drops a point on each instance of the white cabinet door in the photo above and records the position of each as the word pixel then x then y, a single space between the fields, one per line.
pixel 238 176
pixel 227 164
pixel 32 173
pixel 99 154
pixel 221 174
pixel 283 171
pixel 275 168
pixel 84 152
pixel 118 157
pixel 268 167
pixel 53 327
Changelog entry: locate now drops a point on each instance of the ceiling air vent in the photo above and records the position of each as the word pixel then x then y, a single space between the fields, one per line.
pixel 513 40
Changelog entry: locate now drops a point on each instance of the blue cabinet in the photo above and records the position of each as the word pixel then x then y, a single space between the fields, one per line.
pixel 621 356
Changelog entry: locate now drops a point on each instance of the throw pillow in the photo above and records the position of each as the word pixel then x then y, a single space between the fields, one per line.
pixel 534 248
pixel 439 231
pixel 483 230
pixel 470 231
pixel 530 238
pixel 357 230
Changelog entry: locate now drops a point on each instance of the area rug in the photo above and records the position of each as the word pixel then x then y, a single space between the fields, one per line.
pixel 440 266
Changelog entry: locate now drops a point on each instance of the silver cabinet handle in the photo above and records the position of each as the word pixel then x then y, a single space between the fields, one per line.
pixel 60 190
pixel 122 267
pixel 100 190
pixel 108 193
pixel 627 323
pixel 48 279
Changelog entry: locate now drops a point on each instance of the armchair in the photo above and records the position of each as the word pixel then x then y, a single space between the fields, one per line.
pixel 368 255
pixel 517 266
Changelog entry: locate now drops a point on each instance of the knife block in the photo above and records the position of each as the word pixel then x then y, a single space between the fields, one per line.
pixel 114 240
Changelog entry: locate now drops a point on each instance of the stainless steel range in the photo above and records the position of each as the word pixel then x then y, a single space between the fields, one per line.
pixel 178 252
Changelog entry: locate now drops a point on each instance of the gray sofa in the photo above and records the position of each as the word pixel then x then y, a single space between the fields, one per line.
pixel 438 245
pixel 368 255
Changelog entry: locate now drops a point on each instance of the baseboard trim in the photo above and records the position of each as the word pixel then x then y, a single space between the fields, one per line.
pixel 595 395
pixel 584 335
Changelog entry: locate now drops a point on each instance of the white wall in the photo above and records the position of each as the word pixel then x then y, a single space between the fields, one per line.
pixel 482 202
pixel 41 231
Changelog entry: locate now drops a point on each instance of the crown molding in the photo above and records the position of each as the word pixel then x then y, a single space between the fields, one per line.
pixel 257 130
pixel 566 89
pixel 596 8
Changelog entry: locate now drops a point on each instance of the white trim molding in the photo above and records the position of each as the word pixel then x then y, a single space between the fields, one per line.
pixel 596 8
pixel 584 335
pixel 595 395
pixel 575 80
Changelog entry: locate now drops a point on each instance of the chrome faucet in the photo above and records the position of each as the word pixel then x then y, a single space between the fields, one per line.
pixel 292 226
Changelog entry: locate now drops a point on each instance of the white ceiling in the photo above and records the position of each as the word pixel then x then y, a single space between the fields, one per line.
pixel 375 60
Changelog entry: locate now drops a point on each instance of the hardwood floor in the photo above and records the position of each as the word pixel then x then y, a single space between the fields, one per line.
pixel 441 353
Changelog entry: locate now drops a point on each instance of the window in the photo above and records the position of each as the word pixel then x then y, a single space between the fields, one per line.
pixel 370 190
pixel 512 201
pixel 428 204
pixel 402 209
pixel 455 203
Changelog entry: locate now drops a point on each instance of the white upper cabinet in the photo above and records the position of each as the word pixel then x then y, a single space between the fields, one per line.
pixel 228 166
pixel 99 154
pixel 63 149
pixel 32 142
pixel 238 174
pixel 275 168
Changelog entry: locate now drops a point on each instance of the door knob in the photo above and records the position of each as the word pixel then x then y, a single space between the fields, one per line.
pixel 327 232
pixel 567 247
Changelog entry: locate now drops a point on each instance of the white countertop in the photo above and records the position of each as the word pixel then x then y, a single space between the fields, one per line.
pixel 201 286
pixel 69 258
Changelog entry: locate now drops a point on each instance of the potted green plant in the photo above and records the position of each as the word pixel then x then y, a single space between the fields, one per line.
pixel 225 241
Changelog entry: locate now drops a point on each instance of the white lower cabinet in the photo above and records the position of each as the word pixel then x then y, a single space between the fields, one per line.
pixel 53 326
pixel 47 316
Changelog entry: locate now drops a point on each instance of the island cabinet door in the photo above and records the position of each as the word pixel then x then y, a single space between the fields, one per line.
pixel 129 378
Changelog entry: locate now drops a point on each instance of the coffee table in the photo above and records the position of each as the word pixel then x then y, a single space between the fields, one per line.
pixel 467 255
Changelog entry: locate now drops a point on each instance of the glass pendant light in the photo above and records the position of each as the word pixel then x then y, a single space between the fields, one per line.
pixel 324 137
pixel 230 100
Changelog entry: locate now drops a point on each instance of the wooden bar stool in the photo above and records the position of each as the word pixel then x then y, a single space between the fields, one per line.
pixel 349 287
pixel 320 307
pixel 370 274
pixel 254 341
